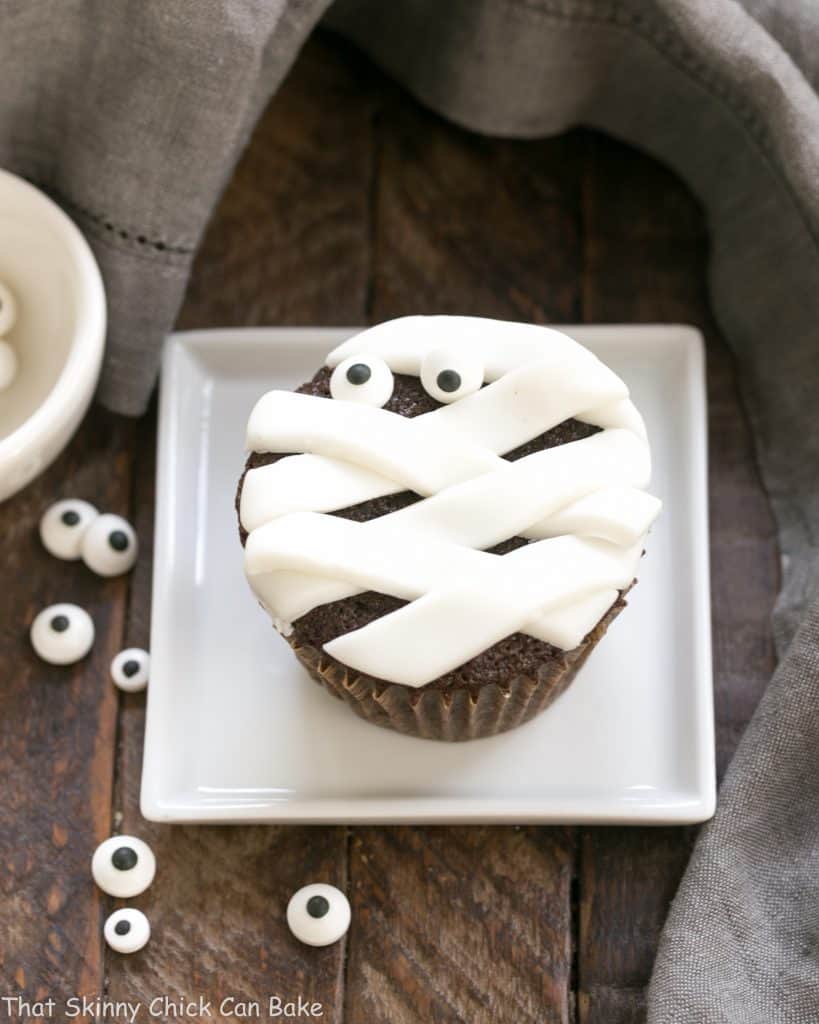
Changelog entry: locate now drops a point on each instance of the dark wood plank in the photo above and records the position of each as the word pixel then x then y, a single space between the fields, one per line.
pixel 57 727
pixel 646 249
pixel 466 924
pixel 290 241
pixel 288 244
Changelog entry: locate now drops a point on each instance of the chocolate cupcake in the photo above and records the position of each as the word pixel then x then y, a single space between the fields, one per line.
pixel 444 521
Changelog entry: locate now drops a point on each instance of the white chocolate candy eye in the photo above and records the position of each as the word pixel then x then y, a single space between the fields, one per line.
pixel 109 546
pixel 362 378
pixel 8 365
pixel 62 634
pixel 8 309
pixel 130 668
pixel 450 376
pixel 123 866
pixel 318 914
pixel 63 527
pixel 127 930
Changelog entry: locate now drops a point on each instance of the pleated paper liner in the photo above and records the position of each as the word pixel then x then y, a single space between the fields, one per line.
pixel 457 713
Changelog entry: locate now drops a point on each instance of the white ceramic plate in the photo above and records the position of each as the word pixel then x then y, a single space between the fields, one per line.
pixel 237 732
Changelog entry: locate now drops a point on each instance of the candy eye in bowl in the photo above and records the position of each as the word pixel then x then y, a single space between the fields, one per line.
pixel 53 325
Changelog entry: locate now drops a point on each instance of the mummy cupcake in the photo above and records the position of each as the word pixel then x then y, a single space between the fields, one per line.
pixel 444 521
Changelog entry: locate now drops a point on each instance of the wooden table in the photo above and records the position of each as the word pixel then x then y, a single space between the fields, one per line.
pixel 353 205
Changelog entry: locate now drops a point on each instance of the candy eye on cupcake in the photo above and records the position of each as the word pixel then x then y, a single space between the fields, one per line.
pixel 123 866
pixel 109 545
pixel 363 378
pixel 450 376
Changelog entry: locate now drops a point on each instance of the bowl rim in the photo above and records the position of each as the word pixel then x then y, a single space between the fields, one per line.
pixel 71 392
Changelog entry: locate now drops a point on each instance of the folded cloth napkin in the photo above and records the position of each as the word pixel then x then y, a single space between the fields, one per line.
pixel 133 115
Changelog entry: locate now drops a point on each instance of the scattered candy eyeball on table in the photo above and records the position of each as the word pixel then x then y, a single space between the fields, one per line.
pixel 130 669
pixel 318 914
pixel 109 545
pixel 127 930
pixel 62 634
pixel 8 309
pixel 123 866
pixel 63 527
pixel 8 365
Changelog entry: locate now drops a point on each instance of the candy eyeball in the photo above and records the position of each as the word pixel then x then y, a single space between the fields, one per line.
pixel 9 365
pixel 123 866
pixel 450 376
pixel 127 930
pixel 318 914
pixel 109 545
pixel 363 378
pixel 62 634
pixel 8 309
pixel 63 527
pixel 130 669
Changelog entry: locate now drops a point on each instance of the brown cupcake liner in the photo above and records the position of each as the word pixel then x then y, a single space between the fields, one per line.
pixel 454 713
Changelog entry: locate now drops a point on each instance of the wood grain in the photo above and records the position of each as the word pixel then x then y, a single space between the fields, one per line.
pixel 57 727
pixel 352 204
pixel 463 924
pixel 288 244
pixel 646 250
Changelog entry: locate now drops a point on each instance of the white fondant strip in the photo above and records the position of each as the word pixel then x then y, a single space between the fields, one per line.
pixel 325 550
pixel 452 626
pixel 582 505
pixel 424 454
pixel 476 514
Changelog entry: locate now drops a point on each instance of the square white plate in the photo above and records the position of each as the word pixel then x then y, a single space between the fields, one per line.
pixel 237 732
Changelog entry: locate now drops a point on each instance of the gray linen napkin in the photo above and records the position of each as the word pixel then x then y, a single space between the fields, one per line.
pixel 133 117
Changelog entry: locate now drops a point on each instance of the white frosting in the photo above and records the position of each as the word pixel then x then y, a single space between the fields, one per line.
pixel 582 504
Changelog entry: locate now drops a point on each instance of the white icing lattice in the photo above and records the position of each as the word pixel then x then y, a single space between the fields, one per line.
pixel 583 505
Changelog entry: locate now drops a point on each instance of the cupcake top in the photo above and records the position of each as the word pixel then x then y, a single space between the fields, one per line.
pixel 495 388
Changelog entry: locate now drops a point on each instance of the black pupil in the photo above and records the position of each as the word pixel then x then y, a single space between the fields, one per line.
pixel 122 927
pixel 449 381
pixel 359 373
pixel 60 623
pixel 124 858
pixel 118 540
pixel 130 668
pixel 317 906
pixel 70 518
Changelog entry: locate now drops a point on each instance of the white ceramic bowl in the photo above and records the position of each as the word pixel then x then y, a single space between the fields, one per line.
pixel 59 335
